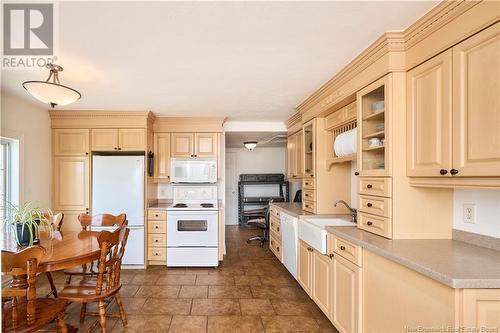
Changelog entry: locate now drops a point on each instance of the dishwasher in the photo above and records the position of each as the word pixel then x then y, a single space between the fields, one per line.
pixel 290 239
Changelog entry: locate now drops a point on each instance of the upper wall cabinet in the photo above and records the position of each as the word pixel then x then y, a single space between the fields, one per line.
pixel 71 142
pixel 194 145
pixel 295 157
pixel 454 115
pixel 124 139
pixel 161 157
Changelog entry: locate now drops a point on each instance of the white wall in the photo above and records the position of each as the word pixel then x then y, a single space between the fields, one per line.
pixel 487 204
pixel 30 123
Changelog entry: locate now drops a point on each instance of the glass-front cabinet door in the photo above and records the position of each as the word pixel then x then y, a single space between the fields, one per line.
pixel 309 148
pixel 374 108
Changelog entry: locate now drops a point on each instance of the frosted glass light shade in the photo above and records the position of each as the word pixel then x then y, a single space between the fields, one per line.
pixel 250 144
pixel 52 93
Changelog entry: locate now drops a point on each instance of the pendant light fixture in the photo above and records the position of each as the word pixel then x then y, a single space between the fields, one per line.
pixel 250 145
pixel 52 93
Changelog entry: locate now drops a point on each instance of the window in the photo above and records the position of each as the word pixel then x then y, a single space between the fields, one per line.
pixel 5 191
pixel 9 173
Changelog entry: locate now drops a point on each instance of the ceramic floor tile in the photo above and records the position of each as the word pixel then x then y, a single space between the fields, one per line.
pixel 169 306
pixel 144 323
pixel 214 280
pixel 291 307
pixel 256 307
pixel 229 292
pixel 278 292
pixel 215 307
pixel 232 324
pixel 188 324
pixel 279 324
pixel 193 292
pixel 247 280
pixel 145 279
pixel 158 291
pixel 179 280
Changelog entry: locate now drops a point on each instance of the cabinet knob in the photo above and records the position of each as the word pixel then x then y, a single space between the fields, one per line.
pixel 369 223
pixel 278 248
pixel 369 204
pixel 156 241
pixel 278 228
pixel 156 227
pixel 116 148
pixel 342 247
pixel 443 171
pixel 453 172
pixel 86 153
pixel 356 173
pixel 330 255
pixel 119 148
pixel 369 186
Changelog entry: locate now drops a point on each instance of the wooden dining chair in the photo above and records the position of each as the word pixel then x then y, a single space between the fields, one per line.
pixel 87 222
pixel 106 285
pixel 21 310
pixel 56 221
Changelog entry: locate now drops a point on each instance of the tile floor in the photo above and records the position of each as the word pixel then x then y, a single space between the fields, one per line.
pixel 250 292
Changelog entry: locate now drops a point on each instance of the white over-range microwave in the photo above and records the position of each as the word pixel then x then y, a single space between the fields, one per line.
pixel 193 170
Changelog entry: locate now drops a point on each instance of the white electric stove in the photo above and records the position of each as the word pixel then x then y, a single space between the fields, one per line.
pixel 192 227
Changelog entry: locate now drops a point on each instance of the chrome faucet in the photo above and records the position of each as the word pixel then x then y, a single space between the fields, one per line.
pixel 354 212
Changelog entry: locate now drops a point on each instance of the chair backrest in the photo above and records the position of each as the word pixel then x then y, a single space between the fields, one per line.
pixel 56 220
pixel 112 246
pixel 20 263
pixel 101 220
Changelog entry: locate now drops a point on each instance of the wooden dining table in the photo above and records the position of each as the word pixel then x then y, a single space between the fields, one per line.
pixel 62 250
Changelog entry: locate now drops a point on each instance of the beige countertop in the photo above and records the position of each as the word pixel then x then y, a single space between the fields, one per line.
pixel 292 208
pixel 454 263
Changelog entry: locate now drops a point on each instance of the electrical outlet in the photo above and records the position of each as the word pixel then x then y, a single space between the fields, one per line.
pixel 469 213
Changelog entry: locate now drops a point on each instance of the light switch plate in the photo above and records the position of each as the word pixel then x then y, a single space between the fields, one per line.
pixel 469 213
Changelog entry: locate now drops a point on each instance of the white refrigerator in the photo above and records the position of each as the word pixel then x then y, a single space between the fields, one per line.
pixel 118 187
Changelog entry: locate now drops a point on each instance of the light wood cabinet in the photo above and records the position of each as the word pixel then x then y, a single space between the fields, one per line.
pixel 157 237
pixel 182 145
pixel 71 183
pixel 205 144
pixel 479 308
pixel 161 145
pixel 71 223
pixel 429 117
pixel 70 142
pixel 123 139
pixel 346 295
pixel 321 277
pixel 476 104
pixel 295 155
pixel 304 266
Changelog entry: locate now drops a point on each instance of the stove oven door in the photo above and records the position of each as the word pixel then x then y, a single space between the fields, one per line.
pixel 192 228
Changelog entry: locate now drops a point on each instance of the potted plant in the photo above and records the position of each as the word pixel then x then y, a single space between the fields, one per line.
pixel 26 220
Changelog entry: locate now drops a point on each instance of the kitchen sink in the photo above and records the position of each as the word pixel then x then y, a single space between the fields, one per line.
pixel 312 230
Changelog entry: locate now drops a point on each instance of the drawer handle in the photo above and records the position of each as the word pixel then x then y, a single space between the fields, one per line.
pixel 443 171
pixel 278 228
pixel 342 247
pixel 453 172
pixel 156 227
pixel 156 253
pixel 369 186
pixel 157 215
pixel 369 223
pixel 330 255
pixel 369 204
pixel 356 173
pixel 278 249
pixel 156 240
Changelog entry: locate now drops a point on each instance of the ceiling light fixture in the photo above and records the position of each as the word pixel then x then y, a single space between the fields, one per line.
pixel 52 93
pixel 250 145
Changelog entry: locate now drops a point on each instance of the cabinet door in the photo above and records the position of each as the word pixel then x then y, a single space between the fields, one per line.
pixel 132 139
pixel 346 292
pixel 429 117
pixel 205 144
pixel 71 183
pixel 304 271
pixel 321 281
pixel 299 154
pixel 161 156
pixel 182 145
pixel 104 139
pixel 291 155
pixel 476 104
pixel 71 142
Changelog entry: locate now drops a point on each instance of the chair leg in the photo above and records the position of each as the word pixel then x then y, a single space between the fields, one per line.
pixel 123 315
pixel 83 312
pixel 102 316
pixel 61 324
pixel 52 285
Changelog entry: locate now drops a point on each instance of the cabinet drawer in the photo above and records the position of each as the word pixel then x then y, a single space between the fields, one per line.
pixel 308 184
pixel 159 240
pixel 309 206
pixel 157 215
pixel 335 118
pixel 275 245
pixel 157 227
pixel 275 212
pixel 346 249
pixel 378 225
pixel 274 225
pixel 309 195
pixel 375 205
pixel 157 253
pixel 376 186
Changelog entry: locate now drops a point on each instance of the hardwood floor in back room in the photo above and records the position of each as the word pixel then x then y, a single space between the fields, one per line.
pixel 250 292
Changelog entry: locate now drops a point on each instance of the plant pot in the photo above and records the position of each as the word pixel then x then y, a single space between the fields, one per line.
pixel 24 235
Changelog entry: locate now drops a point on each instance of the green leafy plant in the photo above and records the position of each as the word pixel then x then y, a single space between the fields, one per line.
pixel 26 218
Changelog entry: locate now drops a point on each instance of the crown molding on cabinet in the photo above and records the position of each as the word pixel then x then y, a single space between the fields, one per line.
pixel 101 119
pixel 188 124
pixel 294 123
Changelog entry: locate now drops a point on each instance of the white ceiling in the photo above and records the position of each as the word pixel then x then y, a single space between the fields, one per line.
pixel 264 139
pixel 242 60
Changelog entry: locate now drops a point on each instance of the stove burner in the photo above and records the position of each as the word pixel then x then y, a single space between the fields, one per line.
pixel 180 205
pixel 207 205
